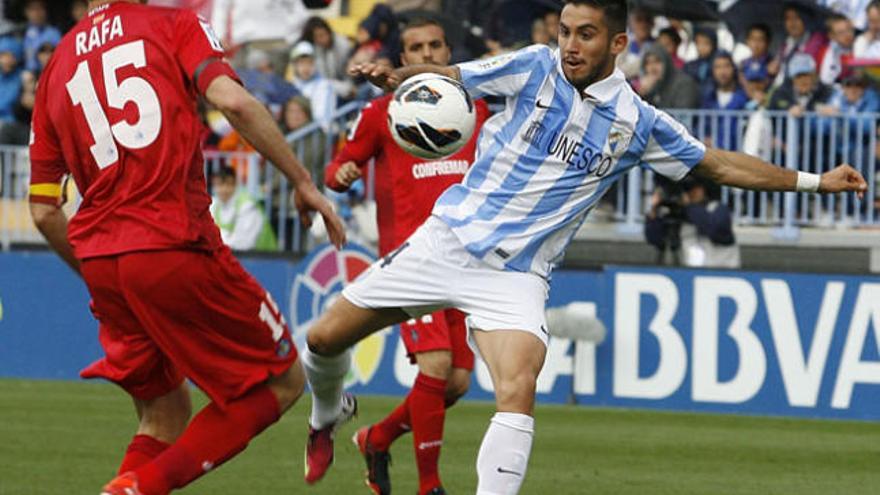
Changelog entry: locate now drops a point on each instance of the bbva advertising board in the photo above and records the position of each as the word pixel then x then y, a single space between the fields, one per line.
pixel 690 340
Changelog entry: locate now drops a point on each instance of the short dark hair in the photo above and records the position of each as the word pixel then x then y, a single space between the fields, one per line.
pixel 672 33
pixel 875 4
pixel 419 22
pixel 616 12
pixel 763 28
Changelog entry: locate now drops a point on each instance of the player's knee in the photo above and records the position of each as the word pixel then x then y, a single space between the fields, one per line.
pixel 516 393
pixel 436 364
pixel 320 343
pixel 457 385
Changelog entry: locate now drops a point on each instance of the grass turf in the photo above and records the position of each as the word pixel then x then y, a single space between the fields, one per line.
pixel 67 438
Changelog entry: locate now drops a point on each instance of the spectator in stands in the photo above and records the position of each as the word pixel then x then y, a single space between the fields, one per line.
pixel 670 40
pixel 689 220
pixel 331 54
pixel 798 40
pixel 856 102
pixel 804 93
pixel 79 9
pixel 700 69
pixel 17 131
pixel 843 35
pixel 44 54
pixel 296 114
pixel 757 82
pixel 722 131
pixel 38 31
pixel 10 77
pixel 551 20
pixel 380 34
pixel 758 40
pixel 867 45
pixel 405 5
pixel 641 24
pixel 260 78
pixel 243 226
pixel 540 35
pixel 664 86
pixel 311 84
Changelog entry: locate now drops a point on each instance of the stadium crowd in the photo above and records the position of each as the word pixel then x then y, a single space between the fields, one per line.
pixel 298 65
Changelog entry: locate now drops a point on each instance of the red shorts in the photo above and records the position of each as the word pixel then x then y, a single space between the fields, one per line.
pixel 443 330
pixel 169 315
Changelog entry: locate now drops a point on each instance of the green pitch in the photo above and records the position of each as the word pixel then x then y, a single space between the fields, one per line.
pixel 67 438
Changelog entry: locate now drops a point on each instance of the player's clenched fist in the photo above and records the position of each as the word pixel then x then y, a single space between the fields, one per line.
pixel 347 174
pixel 843 179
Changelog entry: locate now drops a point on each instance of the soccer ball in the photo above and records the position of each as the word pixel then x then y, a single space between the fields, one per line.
pixel 431 116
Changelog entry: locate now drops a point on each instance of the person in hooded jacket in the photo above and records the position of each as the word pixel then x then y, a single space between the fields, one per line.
pixel 664 86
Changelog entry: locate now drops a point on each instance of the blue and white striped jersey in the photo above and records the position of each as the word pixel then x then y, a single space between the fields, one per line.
pixel 546 160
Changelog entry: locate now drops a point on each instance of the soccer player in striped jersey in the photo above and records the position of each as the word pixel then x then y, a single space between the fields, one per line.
pixel 571 128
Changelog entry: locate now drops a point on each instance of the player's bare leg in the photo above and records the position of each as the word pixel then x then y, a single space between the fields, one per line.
pixel 514 359
pixel 200 448
pixel 161 421
pixel 327 360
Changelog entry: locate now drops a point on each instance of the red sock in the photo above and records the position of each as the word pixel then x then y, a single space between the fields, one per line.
pixel 427 412
pixel 385 432
pixel 141 450
pixel 213 436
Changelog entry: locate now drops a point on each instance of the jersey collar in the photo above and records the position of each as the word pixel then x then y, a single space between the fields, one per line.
pixel 605 90
pixel 600 92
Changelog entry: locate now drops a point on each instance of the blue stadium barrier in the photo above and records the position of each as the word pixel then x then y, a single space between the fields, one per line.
pixel 686 340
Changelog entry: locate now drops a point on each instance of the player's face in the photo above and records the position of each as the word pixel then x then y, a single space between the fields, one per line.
pixel 425 45
pixel 587 48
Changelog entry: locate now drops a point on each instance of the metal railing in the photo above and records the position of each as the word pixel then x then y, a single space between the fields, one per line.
pixel 811 143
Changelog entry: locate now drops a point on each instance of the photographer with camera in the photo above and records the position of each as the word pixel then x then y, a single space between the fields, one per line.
pixel 690 227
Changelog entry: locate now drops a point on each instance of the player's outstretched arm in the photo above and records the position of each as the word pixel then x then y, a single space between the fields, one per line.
pixel 51 221
pixel 251 119
pixel 747 172
pixel 389 78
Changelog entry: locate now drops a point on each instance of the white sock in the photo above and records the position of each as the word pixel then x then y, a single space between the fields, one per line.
pixel 504 454
pixel 326 378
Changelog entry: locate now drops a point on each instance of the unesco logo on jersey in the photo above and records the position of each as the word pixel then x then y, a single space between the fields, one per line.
pixel 569 150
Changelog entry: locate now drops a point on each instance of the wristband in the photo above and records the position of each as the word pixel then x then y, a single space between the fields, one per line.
pixel 808 182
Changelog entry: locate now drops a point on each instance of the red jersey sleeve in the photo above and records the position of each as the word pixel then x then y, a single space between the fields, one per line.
pixel 363 143
pixel 47 162
pixel 199 51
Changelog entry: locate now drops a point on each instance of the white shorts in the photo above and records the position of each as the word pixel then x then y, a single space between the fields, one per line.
pixel 433 270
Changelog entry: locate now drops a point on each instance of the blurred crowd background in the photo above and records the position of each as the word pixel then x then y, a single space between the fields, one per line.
pixel 802 57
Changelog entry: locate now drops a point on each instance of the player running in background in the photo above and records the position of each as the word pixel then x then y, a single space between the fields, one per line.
pixel 571 128
pixel 406 189
pixel 116 109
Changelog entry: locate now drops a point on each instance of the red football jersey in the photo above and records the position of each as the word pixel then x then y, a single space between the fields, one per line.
pixel 116 109
pixel 406 186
